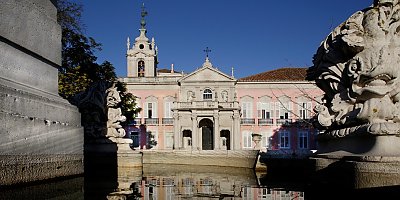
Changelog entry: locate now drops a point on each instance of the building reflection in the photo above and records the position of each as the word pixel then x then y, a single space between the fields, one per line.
pixel 182 182
pixel 258 193
pixel 158 182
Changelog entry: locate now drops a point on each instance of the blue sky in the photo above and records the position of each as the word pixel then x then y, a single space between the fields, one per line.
pixel 253 36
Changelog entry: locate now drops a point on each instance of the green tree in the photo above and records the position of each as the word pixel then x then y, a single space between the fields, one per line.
pixel 79 68
pixel 129 106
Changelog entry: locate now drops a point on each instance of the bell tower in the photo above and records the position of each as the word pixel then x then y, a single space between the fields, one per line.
pixel 142 56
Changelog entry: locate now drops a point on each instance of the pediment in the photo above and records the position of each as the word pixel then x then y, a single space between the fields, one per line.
pixel 139 54
pixel 207 74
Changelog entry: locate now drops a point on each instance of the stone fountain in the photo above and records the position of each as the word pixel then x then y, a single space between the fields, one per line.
pixel 358 68
pixel 107 149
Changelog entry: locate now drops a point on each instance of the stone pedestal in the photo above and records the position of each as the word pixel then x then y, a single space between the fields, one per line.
pixel 357 171
pixel 111 165
pixel 359 162
pixel 41 133
pixel 387 145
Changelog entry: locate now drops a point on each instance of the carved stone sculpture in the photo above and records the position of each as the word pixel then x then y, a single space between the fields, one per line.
pixel 115 117
pixel 358 68
pixel 101 115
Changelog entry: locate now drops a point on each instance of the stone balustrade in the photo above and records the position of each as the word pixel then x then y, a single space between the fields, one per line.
pixel 206 105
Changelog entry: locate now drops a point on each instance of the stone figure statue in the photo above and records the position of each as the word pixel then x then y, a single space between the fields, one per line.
pixel 224 95
pixel 190 96
pixel 101 115
pixel 358 68
pixel 115 117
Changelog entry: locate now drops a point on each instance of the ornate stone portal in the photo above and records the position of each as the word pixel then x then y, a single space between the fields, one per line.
pixel 358 68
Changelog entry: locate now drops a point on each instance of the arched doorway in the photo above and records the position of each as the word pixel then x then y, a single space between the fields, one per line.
pixel 207 136
pixel 227 135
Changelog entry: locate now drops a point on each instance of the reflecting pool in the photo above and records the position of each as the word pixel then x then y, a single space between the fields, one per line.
pixel 183 182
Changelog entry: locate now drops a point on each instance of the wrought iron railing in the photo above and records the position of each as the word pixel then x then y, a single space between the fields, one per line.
pixel 265 121
pixel 151 120
pixel 247 121
pixel 283 121
pixel 168 121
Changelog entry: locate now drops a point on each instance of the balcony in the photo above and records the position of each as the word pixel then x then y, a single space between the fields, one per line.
pixel 150 121
pixel 265 121
pixel 168 121
pixel 283 121
pixel 247 121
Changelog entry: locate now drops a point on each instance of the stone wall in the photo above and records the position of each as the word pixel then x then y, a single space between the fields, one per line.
pixel 40 133
pixel 233 158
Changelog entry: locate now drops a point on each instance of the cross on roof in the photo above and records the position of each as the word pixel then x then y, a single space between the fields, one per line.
pixel 207 51
pixel 143 14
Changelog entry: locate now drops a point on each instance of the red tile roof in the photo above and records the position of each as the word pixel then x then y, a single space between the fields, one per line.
pixel 166 71
pixel 281 74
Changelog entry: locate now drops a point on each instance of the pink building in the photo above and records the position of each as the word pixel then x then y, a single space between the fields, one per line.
pixel 210 110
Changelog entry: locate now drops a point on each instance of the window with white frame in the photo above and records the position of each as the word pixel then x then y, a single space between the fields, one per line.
pixel 283 108
pixel 304 110
pixel 138 105
pixel 207 94
pixel 264 110
pixel 150 110
pixel 284 139
pixel 247 140
pixel 168 109
pixel 303 140
pixel 153 138
pixel 265 107
pixel 247 110
pixel 150 107
pixel 304 107
pixel 265 140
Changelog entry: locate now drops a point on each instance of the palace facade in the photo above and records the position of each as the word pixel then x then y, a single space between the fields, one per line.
pixel 210 110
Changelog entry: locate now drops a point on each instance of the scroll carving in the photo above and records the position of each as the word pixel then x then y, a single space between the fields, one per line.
pixel 358 68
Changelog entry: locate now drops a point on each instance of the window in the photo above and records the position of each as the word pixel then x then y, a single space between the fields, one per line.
pixel 151 110
pixel 141 68
pixel 264 110
pixel 283 109
pixel 265 140
pixel 207 94
pixel 305 110
pixel 135 139
pixel 138 105
pixel 168 109
pixel 284 139
pixel 246 110
pixel 303 140
pixel 247 140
